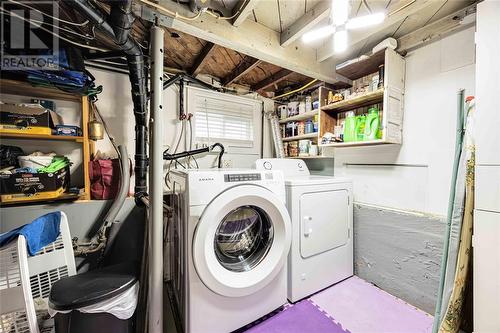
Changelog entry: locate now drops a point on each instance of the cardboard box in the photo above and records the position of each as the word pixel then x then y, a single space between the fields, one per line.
pixel 28 115
pixel 31 183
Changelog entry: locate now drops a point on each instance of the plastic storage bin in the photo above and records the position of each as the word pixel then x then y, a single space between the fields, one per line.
pixel 25 282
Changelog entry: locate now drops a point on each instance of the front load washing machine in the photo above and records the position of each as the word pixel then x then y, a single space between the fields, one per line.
pixel 322 242
pixel 231 240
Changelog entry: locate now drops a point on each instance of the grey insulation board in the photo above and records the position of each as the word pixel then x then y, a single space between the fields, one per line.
pixel 399 252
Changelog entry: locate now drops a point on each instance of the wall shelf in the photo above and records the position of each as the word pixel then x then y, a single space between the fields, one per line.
pixel 303 116
pixel 390 99
pixel 301 137
pixel 310 157
pixel 356 102
pixel 62 197
pixel 356 143
pixel 21 88
pixel 28 136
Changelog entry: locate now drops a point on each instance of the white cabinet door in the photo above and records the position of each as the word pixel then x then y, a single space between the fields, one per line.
pixel 486 271
pixel 324 221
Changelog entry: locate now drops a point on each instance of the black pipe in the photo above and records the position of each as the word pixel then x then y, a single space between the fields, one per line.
pixel 117 27
pixel 176 156
pixel 104 55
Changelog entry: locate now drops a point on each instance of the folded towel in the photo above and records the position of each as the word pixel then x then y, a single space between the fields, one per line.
pixel 39 233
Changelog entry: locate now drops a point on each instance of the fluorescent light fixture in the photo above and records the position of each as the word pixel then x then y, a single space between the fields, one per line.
pixel 340 11
pixel 340 41
pixel 318 33
pixel 365 21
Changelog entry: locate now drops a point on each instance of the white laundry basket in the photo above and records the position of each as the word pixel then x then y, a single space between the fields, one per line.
pixel 25 282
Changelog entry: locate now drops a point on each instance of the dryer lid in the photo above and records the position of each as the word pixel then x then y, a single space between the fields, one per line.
pixel 290 167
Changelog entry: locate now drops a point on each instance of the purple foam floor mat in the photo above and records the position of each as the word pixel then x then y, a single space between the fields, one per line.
pixel 363 308
pixel 351 306
pixel 300 318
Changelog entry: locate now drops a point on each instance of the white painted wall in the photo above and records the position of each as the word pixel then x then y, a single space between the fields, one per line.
pixel 486 239
pixel 416 176
pixel 116 108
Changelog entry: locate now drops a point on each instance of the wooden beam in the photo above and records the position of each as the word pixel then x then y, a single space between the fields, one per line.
pixel 438 29
pixel 410 7
pixel 244 7
pixel 245 66
pixel 202 58
pixel 251 38
pixel 273 79
pixel 305 23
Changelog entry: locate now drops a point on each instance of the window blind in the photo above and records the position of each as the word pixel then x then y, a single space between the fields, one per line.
pixel 224 120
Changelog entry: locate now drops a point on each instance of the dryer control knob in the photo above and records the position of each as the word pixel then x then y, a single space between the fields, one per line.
pixel 268 165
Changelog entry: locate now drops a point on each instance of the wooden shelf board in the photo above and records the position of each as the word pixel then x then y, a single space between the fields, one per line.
pixel 356 102
pixel 362 68
pixel 27 136
pixel 25 89
pixel 63 197
pixel 356 143
pixel 310 157
pixel 301 137
pixel 303 116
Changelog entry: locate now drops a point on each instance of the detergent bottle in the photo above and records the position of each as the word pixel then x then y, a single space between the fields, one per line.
pixel 350 127
pixel 360 127
pixel 372 124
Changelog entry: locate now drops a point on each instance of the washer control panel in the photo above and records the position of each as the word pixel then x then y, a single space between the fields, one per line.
pixel 242 177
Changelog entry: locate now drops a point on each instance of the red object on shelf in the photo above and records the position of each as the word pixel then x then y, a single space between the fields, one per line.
pixel 104 178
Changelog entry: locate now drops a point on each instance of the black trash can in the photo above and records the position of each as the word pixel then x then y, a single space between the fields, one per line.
pixel 91 290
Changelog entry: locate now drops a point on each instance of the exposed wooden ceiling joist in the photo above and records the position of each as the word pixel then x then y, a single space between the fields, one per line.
pixel 244 7
pixel 273 79
pixel 202 58
pixel 305 23
pixel 444 26
pixel 243 68
pixel 250 38
pixel 409 7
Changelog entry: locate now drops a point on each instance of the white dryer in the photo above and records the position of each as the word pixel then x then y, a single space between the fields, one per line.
pixel 322 242
pixel 232 237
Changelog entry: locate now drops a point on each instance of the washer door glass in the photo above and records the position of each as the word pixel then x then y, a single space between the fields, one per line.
pixel 243 238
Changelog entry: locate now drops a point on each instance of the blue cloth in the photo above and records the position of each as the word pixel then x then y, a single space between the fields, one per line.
pixel 39 233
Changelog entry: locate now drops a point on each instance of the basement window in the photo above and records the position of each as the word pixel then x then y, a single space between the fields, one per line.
pixel 231 120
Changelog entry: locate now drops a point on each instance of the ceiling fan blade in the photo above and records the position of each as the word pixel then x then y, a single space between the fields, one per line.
pixel 340 41
pixel 318 34
pixel 339 11
pixel 365 21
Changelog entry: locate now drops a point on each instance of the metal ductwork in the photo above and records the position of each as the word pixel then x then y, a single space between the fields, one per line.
pixel 117 27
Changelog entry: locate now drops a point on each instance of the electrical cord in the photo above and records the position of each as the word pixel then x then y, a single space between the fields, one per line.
pixel 106 129
pixel 169 12
pixel 48 15
pixel 296 90
pixel 167 175
pixel 192 18
pixel 55 34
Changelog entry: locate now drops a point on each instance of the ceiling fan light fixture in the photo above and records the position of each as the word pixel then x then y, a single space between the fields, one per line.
pixel 340 41
pixel 365 21
pixel 317 34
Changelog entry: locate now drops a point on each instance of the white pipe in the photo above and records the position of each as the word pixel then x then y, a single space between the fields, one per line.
pixel 278 141
pixel 156 121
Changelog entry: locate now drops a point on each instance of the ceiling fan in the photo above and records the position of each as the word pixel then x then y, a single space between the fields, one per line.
pixel 340 22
